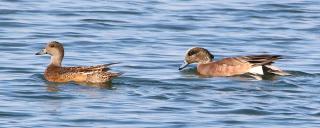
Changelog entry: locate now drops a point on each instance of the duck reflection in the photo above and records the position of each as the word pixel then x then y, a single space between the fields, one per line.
pixel 55 87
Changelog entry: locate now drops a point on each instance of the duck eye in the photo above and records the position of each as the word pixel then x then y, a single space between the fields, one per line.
pixel 192 53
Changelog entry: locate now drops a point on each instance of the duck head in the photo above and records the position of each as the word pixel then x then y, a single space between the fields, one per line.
pixel 55 50
pixel 196 55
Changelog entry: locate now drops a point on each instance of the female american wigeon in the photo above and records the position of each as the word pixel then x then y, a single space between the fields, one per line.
pixel 254 64
pixel 56 73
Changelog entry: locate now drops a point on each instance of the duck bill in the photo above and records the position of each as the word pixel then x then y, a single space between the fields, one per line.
pixel 42 52
pixel 183 65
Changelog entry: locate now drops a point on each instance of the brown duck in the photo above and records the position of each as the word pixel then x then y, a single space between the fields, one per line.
pixel 56 73
pixel 254 64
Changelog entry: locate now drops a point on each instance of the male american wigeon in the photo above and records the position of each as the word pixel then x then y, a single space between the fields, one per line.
pixel 56 73
pixel 253 64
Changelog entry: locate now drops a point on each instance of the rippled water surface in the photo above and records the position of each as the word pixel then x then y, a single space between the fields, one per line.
pixel 150 38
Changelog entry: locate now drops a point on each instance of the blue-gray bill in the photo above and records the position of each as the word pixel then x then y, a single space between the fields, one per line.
pixel 43 51
pixel 183 66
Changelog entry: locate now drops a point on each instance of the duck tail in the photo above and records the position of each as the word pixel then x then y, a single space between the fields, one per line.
pixel 275 70
pixel 111 75
pixel 109 64
pixel 117 74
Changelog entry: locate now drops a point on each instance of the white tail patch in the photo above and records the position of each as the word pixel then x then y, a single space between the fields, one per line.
pixel 256 70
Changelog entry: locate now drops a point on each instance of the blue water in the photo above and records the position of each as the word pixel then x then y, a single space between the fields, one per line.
pixel 150 39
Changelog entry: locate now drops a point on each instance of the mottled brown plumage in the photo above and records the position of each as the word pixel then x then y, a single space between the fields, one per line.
pixel 231 66
pixel 56 73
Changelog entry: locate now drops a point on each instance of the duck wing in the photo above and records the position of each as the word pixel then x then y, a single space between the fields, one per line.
pixel 266 62
pixel 102 67
pixel 256 64
pixel 92 74
pixel 259 60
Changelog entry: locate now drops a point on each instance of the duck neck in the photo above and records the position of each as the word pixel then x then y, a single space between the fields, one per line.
pixel 206 60
pixel 56 60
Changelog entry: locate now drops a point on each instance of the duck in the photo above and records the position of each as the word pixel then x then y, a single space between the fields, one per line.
pixel 232 66
pixel 55 72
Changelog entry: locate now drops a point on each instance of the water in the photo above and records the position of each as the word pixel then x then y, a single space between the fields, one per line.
pixel 150 39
